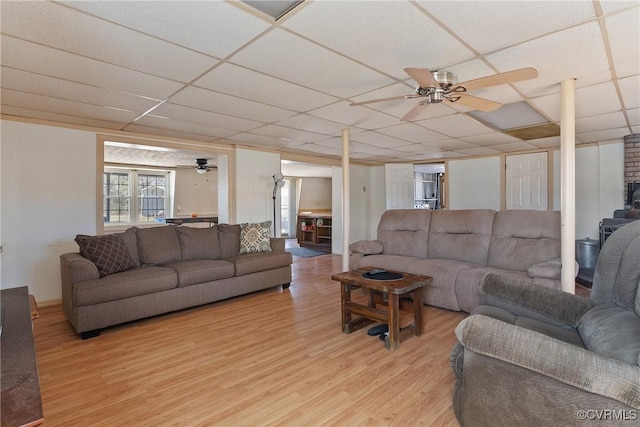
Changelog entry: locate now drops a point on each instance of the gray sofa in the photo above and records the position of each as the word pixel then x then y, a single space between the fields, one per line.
pixel 459 247
pixel 144 272
pixel 533 356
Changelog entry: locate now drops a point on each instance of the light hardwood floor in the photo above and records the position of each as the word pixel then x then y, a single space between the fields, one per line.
pixel 270 358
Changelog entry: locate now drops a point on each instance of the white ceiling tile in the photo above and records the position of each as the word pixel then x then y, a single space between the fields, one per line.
pixel 420 148
pixel 634 116
pixel 603 135
pixel 57 117
pixel 599 122
pixel 549 105
pixel 234 80
pixel 320 149
pixel 206 118
pixel 265 140
pixel 289 57
pixel 578 45
pixel 624 37
pixel 478 151
pixel 220 102
pixel 610 6
pixel 216 28
pixel 40 22
pixel 505 23
pixel 489 139
pixel 550 142
pixel 630 88
pixel 354 146
pixel 514 146
pixel 313 124
pixel 590 101
pixel 457 125
pixel 152 130
pixel 372 27
pixel 289 134
pixel 32 57
pixel 451 144
pixel 378 140
pixel 412 133
pixel 70 108
pixel 364 118
pixel 193 128
pixel 37 84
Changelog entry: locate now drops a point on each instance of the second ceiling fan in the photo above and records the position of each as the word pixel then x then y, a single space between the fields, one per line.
pixel 439 86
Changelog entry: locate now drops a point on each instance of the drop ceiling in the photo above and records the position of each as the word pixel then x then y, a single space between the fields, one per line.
pixel 225 73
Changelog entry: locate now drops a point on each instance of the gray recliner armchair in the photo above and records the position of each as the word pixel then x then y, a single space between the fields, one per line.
pixel 535 356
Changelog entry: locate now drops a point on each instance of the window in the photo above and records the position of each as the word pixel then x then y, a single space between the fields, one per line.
pixel 134 197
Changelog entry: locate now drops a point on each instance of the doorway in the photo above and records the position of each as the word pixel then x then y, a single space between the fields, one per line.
pixel 526 181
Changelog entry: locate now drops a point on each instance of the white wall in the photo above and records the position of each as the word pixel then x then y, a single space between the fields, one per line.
pixel 315 193
pixel 48 196
pixel 254 172
pixel 475 184
pixel 599 185
pixel 196 193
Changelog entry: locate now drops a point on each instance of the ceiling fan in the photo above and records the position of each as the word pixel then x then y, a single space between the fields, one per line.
pixel 439 86
pixel 202 166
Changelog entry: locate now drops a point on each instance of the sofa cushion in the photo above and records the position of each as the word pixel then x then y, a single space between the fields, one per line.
pixel 461 235
pixel 562 333
pixel 611 331
pixel 108 252
pixel 126 284
pixel 405 232
pixel 255 237
pixel 229 235
pixel 199 243
pixel 201 270
pixel 522 238
pixel 131 241
pixel 158 245
pixel 441 292
pixel 253 263
pixel 388 262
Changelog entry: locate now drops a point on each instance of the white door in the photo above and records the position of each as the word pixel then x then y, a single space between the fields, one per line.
pixel 399 185
pixel 527 181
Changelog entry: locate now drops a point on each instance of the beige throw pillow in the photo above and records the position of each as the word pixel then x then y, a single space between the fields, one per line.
pixel 255 237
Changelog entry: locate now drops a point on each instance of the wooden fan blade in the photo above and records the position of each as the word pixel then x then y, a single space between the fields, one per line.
pixel 414 112
pixel 501 78
pixel 391 98
pixel 478 103
pixel 422 76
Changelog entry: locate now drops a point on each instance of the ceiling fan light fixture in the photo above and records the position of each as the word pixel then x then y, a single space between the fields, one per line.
pixel 201 169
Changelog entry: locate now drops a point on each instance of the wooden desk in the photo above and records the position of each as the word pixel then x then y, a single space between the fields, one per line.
pixel 20 387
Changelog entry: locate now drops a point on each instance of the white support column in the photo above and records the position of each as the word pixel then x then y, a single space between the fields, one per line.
pixel 568 183
pixel 345 200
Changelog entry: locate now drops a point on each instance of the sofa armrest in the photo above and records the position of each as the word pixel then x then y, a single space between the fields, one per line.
pixel 366 247
pixel 548 269
pixel 564 362
pixel 77 268
pixel 524 298
pixel 277 244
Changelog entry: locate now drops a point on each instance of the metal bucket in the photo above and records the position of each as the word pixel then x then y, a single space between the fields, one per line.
pixel 587 251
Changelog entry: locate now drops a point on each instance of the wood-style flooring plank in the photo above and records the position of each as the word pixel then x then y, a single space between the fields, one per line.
pixel 276 357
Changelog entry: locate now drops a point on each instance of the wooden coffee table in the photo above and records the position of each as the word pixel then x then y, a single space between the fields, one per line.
pixel 410 285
